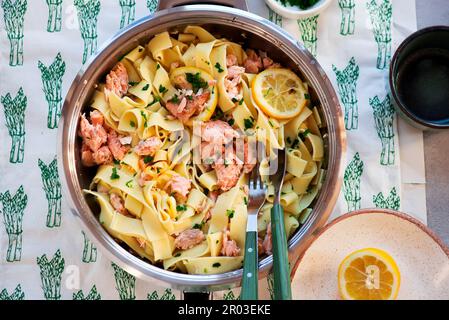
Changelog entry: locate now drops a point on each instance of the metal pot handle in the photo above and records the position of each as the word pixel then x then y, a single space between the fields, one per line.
pixel 167 4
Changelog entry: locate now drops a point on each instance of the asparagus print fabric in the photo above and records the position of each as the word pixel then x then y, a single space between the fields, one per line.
pixel 44 252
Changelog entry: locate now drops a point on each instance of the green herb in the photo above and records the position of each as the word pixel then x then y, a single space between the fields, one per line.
pixel 230 213
pixel 306 96
pixel 177 255
pixel 155 99
pixel 144 116
pixel 235 100
pixel 158 66
pixel 295 143
pixel 146 87
pixel 198 226
pixel 129 184
pixel 162 89
pixel 231 122
pixel 219 68
pixel 196 81
pixel 289 141
pixel 148 159
pixel 181 207
pixel 158 170
pixel 303 4
pixel 205 270
pixel 267 93
pixel 241 102
pixel 248 122
pixel 216 265
pixel 218 115
pixel 245 200
pixel 217 241
pixel 175 99
pixel 283 193
pixel 189 98
pixel 117 162
pixel 132 83
pixel 304 134
pixel 271 123
pixel 172 194
pixel 114 175
pixel 132 124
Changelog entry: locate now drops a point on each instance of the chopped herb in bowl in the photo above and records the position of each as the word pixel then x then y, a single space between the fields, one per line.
pixel 303 4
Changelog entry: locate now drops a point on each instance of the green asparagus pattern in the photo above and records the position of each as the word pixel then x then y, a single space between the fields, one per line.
pixel 347 25
pixel 18 294
pixel 308 28
pixel 92 295
pixel 351 183
pixel 54 23
pixel 384 120
pixel 152 5
pixel 15 122
pixel 14 15
pixel 168 295
pixel 13 209
pixel 270 282
pixel 128 12
pixel 52 87
pixel 51 273
pixel 230 296
pixel 88 11
pixel 380 15
pixel 89 250
pixel 392 202
pixel 347 88
pixel 52 187
pixel 125 283
pixel 274 17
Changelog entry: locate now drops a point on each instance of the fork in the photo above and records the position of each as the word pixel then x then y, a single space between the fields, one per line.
pixel 257 191
pixel 281 268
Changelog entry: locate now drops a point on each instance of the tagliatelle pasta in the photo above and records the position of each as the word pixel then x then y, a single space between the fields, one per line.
pixel 171 133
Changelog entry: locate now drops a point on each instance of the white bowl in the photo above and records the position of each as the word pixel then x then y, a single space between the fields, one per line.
pixel 293 12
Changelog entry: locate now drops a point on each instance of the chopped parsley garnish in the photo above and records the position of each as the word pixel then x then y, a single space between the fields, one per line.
pixel 295 143
pixel 132 124
pixel 205 270
pixel 158 66
pixel 148 159
pixel 304 134
pixel 146 87
pixel 216 265
pixel 267 92
pixel 129 184
pixel 231 122
pixel 218 115
pixel 114 175
pixel 198 226
pixel 235 100
pixel 219 68
pixel 196 81
pixel 132 83
pixel 175 99
pixel 289 141
pixel 230 213
pixel 177 255
pixel 158 170
pixel 271 123
pixel 306 96
pixel 181 207
pixel 145 119
pixel 245 200
pixel 117 162
pixel 162 89
pixel 248 122
pixel 241 102
pixel 155 99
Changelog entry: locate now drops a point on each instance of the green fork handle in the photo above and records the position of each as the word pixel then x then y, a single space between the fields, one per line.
pixel 250 268
pixel 281 268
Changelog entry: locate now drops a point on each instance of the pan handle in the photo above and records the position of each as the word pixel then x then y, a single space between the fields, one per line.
pixel 167 4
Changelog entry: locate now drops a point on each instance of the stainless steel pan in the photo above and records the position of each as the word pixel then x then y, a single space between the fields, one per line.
pixel 239 26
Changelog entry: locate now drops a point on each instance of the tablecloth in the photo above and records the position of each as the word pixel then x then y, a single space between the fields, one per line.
pixel 44 252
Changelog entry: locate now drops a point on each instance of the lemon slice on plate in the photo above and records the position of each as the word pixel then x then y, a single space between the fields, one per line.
pixel 369 274
pixel 201 75
pixel 279 92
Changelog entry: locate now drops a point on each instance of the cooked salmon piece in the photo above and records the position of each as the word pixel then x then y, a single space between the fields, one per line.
pixel 117 81
pixel 267 62
pixel 189 238
pixel 102 188
pixel 210 153
pixel 94 136
pixel 117 203
pixel 252 63
pixel 267 244
pixel 179 185
pixel 228 172
pixel 233 82
pixel 213 195
pixel 86 156
pixel 148 147
pixel 260 249
pixel 188 106
pixel 118 150
pixel 218 132
pixel 230 247
pixel 231 60
pixel 96 117
pixel 103 156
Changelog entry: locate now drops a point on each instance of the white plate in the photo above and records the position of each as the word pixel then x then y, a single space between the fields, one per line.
pixel 294 12
pixel 422 258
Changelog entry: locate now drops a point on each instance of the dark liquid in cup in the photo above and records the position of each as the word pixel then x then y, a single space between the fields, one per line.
pixel 423 84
